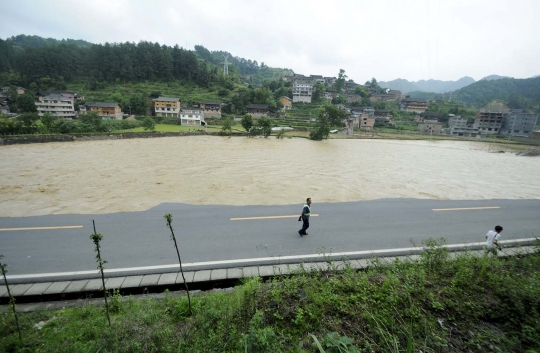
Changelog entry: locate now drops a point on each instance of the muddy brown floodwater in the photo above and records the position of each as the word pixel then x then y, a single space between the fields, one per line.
pixel 137 174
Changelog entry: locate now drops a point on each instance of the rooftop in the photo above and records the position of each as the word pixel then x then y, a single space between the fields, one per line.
pixel 166 99
pixel 102 104
pixel 211 102
pixel 258 106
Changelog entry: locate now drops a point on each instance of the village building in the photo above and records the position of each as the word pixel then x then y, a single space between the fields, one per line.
pixel 317 79
pixel 19 90
pixel 212 109
pixel 368 110
pixel 192 116
pixel 302 90
pixel 330 81
pixel 463 131
pixel 5 104
pixel 57 105
pixel 430 118
pixel 286 101
pixel 489 123
pixel 367 123
pixel 413 105
pixel 167 107
pixel 106 110
pixel 456 121
pixel 518 123
pixel 258 110
pixel 430 128
pixel 330 94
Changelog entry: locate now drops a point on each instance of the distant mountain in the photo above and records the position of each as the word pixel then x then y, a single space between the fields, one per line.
pixel 23 41
pixel 434 86
pixel 516 93
pixel 493 77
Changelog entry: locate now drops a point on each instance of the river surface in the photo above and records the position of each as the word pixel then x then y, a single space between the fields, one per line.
pixel 137 174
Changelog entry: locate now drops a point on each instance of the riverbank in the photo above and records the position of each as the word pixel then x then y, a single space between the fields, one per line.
pixel 428 304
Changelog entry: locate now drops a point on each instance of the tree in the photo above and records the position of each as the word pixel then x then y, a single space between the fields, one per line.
pixel 247 122
pixel 361 91
pixel 27 123
pixel 318 91
pixel 340 82
pixel 47 119
pixel 334 115
pixel 227 126
pixel 93 119
pixel 149 124
pixel 322 129
pixel 137 105
pixel 25 103
pixel 266 126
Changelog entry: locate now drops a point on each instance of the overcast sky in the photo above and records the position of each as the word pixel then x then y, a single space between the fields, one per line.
pixel 385 39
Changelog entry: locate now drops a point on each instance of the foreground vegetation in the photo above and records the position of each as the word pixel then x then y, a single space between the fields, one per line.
pixel 433 304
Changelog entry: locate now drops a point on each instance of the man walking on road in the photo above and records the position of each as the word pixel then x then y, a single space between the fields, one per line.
pixel 306 212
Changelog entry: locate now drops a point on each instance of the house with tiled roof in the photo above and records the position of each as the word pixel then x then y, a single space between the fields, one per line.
pixel 106 110
pixel 167 107
pixel 258 110
pixel 212 109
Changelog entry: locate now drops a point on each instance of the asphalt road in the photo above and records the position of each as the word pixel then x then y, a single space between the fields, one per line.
pixel 207 233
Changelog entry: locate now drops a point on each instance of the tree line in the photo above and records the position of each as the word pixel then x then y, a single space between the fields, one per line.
pixel 25 60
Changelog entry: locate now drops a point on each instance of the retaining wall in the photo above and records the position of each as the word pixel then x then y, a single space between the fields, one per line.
pixel 14 140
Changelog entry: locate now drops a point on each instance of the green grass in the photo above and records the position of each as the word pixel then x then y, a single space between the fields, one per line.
pixel 432 304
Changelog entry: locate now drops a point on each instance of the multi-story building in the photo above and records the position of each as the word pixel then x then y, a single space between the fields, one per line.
pixel 518 123
pixel 413 105
pixel 430 128
pixel 167 107
pixel 192 116
pixel 488 123
pixel 456 121
pixel 370 111
pixel 106 110
pixel 302 90
pixel 366 122
pixel 57 105
pixel 212 109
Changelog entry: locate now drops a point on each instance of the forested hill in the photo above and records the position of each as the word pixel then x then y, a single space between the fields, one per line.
pixel 432 86
pixel 516 93
pixel 27 60
pixel 23 41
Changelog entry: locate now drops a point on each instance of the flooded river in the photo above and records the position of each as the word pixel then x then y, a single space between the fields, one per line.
pixel 137 174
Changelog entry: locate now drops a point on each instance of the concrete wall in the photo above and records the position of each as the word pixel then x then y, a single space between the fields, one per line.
pixel 15 140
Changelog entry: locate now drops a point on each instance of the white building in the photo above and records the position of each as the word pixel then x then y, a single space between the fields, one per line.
pixel 192 116
pixel 57 105
pixel 457 121
pixel 302 91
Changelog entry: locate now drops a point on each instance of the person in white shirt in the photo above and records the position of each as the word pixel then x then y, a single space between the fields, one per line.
pixel 492 243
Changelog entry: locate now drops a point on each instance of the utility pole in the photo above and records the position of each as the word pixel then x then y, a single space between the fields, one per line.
pixel 225 65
